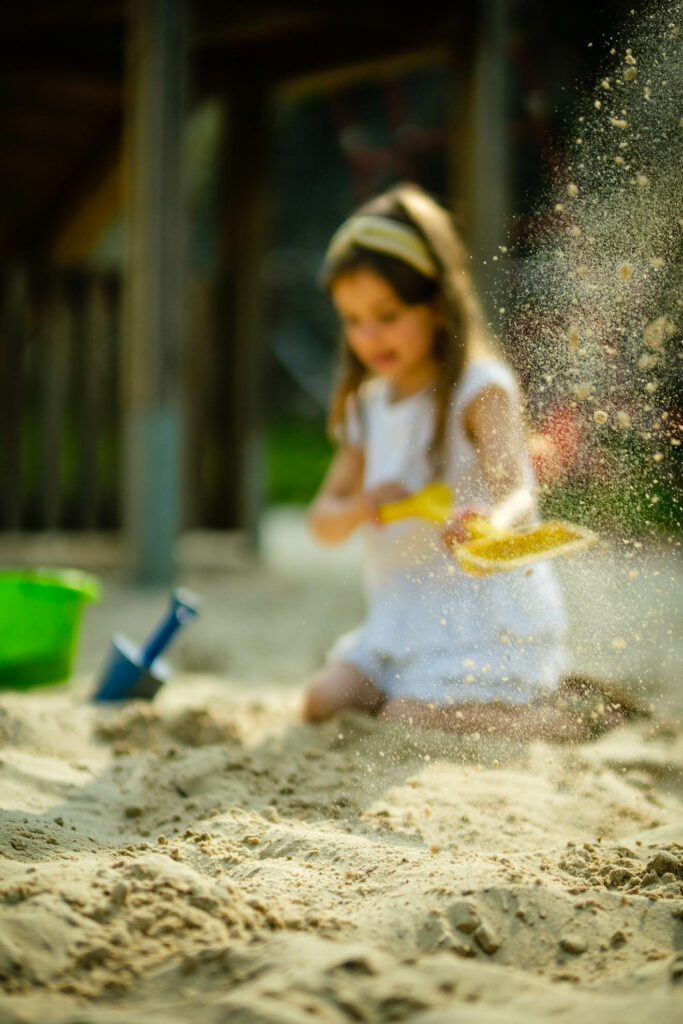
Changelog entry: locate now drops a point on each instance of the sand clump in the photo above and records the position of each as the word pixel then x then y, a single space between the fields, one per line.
pixel 218 860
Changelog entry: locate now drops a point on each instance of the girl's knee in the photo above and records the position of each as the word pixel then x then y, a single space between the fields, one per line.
pixel 323 697
pixel 316 708
pixel 336 687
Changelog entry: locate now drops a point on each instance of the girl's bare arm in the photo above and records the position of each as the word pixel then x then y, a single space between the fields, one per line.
pixel 340 505
pixel 495 426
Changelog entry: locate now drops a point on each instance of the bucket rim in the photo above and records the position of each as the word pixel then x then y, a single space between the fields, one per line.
pixel 76 580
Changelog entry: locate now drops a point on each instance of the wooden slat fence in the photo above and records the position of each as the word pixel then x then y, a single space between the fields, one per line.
pixel 59 399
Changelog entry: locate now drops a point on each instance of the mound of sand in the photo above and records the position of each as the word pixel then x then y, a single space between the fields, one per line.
pixel 209 858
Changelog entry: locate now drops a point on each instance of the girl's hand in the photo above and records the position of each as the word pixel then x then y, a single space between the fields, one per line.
pixel 382 495
pixel 455 531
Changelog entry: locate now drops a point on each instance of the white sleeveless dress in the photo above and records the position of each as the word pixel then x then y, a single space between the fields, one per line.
pixel 432 632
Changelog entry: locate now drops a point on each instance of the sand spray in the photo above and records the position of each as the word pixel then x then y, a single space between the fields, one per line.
pixel 599 304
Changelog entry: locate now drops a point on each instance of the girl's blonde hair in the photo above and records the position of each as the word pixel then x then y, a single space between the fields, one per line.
pixel 452 287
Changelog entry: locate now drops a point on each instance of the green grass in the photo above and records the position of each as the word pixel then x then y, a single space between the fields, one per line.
pixel 297 456
pixel 617 509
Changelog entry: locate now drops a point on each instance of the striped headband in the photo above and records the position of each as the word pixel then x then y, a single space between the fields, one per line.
pixel 380 234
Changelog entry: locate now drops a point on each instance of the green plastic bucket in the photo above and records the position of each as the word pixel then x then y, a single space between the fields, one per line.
pixel 40 612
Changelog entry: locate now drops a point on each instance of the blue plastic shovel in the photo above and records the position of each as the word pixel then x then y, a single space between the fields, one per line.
pixel 136 673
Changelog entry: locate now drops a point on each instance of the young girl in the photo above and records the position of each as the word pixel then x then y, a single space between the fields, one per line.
pixel 424 395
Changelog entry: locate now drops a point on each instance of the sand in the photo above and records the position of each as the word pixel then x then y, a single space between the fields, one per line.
pixel 207 857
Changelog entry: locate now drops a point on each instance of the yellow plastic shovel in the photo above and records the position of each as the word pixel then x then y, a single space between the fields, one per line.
pixel 434 502
pixel 491 548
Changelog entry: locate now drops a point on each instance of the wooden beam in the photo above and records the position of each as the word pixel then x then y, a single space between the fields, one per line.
pixel 46 126
pixel 96 210
pixel 20 20
pixel 318 49
pixel 347 74
pixel 225 25
pixel 66 195
pixel 58 87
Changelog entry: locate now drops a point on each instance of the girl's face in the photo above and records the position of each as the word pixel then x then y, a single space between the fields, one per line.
pixel 392 339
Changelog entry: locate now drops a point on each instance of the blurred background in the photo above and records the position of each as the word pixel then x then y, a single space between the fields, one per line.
pixel 170 174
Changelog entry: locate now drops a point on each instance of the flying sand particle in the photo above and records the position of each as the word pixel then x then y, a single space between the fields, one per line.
pixel 647 361
pixel 600 416
pixel 625 271
pixel 618 122
pixel 643 180
pixel 657 332
pixel 572 189
pixel 623 419
pixel 618 644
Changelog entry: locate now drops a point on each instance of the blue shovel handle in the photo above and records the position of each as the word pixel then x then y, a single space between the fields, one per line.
pixel 184 606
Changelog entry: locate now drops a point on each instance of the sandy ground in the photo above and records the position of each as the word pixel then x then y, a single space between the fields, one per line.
pixel 209 858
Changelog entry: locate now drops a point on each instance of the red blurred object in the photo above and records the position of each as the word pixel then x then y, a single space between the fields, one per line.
pixel 555 448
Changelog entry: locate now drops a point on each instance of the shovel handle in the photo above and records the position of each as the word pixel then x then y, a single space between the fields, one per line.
pixel 481 528
pixel 435 502
pixel 432 502
pixel 183 607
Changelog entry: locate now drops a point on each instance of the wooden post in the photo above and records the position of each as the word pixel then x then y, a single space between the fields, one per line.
pixel 240 301
pixel 12 346
pixel 56 342
pixel 460 121
pixel 109 456
pixel 155 288
pixel 200 381
pixel 479 143
pixel 94 398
